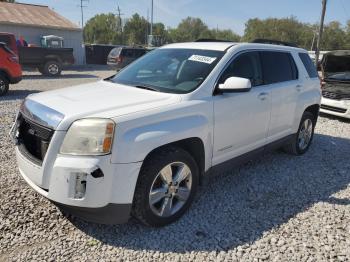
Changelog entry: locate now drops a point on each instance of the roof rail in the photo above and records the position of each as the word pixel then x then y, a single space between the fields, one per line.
pixel 212 40
pixel 273 42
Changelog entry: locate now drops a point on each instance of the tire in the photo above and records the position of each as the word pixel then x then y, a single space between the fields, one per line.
pixel 4 85
pixel 171 204
pixel 52 68
pixel 296 147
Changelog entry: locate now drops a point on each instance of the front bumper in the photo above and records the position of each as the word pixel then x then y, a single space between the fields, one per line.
pixel 102 199
pixel 339 108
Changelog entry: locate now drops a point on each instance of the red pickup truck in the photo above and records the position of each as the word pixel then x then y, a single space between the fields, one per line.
pixel 10 69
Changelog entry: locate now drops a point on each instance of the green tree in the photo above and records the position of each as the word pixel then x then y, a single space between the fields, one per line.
pixel 190 29
pixel 10 1
pixel 135 30
pixel 103 29
pixel 285 29
pixel 226 35
pixel 334 37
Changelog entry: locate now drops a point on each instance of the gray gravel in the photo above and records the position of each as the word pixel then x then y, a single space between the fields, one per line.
pixel 274 208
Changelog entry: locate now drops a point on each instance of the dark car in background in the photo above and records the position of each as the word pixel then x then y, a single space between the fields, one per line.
pixel 335 67
pixel 10 69
pixel 120 57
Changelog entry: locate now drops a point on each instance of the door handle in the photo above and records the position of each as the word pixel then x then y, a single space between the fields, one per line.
pixel 262 96
pixel 298 87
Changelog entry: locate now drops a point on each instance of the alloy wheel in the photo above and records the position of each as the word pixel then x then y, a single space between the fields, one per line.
pixel 170 189
pixel 305 134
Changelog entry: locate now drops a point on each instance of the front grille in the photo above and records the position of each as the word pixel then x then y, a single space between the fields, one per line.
pixel 333 108
pixel 33 139
pixel 335 96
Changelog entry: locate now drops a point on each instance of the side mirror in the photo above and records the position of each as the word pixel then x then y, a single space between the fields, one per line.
pixel 235 84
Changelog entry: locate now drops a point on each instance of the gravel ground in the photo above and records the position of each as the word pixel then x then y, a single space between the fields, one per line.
pixel 276 208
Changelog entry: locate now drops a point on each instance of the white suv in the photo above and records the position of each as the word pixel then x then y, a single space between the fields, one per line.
pixel 140 142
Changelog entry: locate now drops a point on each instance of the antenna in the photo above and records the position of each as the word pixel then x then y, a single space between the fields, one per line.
pixel 82 6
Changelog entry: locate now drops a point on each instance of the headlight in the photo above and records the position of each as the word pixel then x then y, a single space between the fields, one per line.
pixel 89 137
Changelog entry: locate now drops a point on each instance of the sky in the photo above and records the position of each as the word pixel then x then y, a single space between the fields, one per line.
pixel 224 14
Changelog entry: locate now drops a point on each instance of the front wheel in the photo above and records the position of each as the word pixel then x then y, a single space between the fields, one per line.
pixel 4 85
pixel 303 138
pixel 166 187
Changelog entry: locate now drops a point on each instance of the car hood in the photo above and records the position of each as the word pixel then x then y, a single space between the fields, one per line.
pixel 59 108
pixel 336 63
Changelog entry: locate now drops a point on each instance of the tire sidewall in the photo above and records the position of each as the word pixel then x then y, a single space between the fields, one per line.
pixel 305 116
pixel 150 174
pixel 4 79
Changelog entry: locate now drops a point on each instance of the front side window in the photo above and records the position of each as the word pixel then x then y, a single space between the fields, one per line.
pixel 278 67
pixel 170 70
pixel 246 65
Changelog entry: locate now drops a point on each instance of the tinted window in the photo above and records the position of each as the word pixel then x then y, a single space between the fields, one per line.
pixel 247 66
pixel 309 65
pixel 5 39
pixel 278 67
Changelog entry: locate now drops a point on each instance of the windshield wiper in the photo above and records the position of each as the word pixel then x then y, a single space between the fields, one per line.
pixel 147 88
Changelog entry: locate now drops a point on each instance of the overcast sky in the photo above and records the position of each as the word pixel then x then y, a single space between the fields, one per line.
pixel 226 14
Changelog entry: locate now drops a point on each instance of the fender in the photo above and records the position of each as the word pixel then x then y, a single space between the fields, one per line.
pixel 306 99
pixel 134 143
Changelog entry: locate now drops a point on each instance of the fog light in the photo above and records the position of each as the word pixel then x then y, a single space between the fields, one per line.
pixel 80 185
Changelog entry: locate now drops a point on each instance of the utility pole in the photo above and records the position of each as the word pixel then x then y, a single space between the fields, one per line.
pixel 324 5
pixel 151 33
pixel 119 14
pixel 82 11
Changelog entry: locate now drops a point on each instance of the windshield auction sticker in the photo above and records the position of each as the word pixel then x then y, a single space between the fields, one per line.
pixel 202 59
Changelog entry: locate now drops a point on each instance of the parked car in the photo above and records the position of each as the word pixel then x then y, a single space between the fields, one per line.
pixel 336 83
pixel 10 40
pixel 139 143
pixel 49 61
pixel 10 69
pixel 120 57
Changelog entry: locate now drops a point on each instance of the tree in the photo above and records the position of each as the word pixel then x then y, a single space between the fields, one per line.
pixel 9 1
pixel 334 37
pixel 285 29
pixel 103 29
pixel 190 29
pixel 226 35
pixel 136 29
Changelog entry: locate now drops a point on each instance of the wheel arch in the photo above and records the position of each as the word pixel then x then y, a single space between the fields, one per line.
pixel 194 146
pixel 313 109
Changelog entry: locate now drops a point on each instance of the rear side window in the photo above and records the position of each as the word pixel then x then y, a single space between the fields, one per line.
pixel 309 65
pixel 278 67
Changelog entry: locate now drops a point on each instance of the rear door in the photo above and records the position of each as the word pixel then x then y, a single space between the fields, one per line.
pixel 281 76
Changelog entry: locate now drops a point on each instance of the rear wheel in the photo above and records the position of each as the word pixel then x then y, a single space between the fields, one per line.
pixel 52 68
pixel 4 85
pixel 302 140
pixel 166 187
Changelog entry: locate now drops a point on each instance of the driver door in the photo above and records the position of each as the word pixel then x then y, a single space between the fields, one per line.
pixel 241 119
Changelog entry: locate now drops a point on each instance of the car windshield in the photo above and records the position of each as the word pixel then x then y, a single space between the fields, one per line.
pixel 170 70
